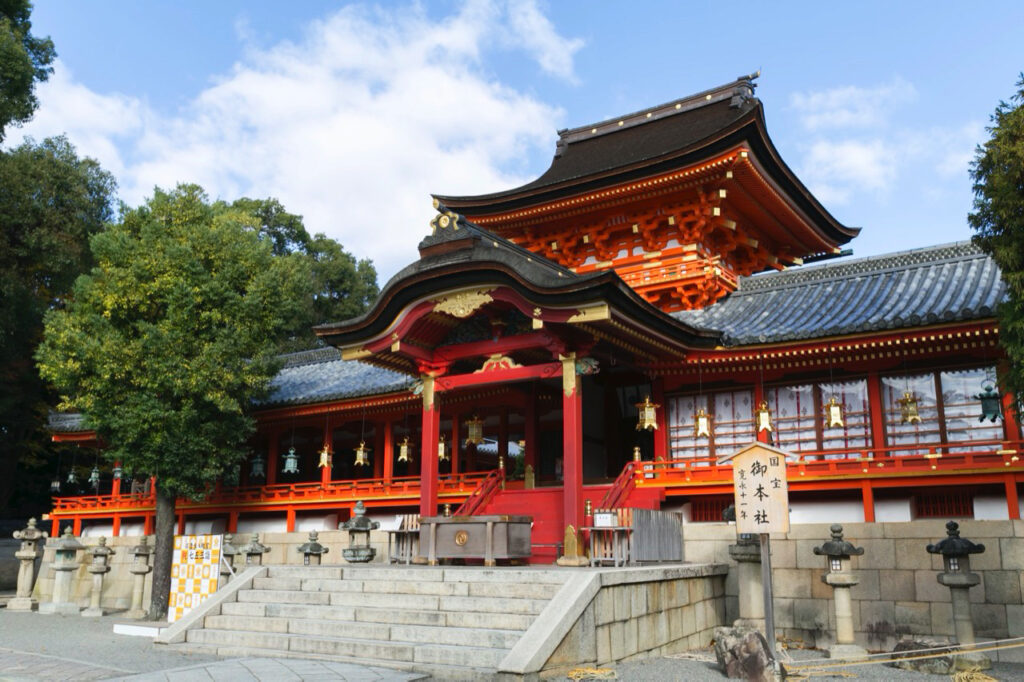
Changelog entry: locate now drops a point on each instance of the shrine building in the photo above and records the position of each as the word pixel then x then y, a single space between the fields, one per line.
pixel 667 292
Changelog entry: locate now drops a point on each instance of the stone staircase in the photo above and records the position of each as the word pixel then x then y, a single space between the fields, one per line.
pixel 450 622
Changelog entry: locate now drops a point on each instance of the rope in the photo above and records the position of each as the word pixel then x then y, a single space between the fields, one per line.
pixel 874 659
pixel 972 676
pixel 599 674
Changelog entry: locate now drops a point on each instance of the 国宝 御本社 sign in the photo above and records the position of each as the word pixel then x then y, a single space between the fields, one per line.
pixel 760 490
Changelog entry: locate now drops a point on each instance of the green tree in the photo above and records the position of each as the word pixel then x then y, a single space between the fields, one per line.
pixel 51 203
pixel 24 61
pixel 998 221
pixel 165 345
pixel 343 286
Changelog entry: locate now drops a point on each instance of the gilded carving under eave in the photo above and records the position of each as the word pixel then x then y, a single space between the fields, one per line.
pixel 463 304
pixel 497 362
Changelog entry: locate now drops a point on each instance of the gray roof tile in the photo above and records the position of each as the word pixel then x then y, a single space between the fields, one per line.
pixel 320 375
pixel 950 282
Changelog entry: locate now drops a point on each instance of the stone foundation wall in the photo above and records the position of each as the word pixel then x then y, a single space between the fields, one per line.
pixel 117 586
pixel 898 593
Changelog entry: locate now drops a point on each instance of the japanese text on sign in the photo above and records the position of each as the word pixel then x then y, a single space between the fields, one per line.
pixel 195 572
pixel 761 493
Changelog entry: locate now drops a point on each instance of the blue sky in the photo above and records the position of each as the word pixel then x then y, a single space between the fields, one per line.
pixel 352 114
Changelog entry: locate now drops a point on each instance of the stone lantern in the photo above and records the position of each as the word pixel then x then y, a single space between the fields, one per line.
pixel 837 552
pixel 65 561
pixel 228 552
pixel 139 568
pixel 99 567
pixel 254 551
pixel 27 555
pixel 956 552
pixel 312 550
pixel 359 527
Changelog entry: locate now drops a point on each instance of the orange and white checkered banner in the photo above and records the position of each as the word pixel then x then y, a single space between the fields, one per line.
pixel 195 571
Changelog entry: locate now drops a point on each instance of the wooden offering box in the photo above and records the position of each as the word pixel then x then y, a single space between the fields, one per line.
pixel 475 537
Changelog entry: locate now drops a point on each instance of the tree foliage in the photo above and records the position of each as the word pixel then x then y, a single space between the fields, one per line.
pixel 24 61
pixel 51 203
pixel 998 221
pixel 167 342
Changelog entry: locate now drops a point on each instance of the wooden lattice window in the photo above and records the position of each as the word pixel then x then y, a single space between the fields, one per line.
pixel 709 509
pixel 948 505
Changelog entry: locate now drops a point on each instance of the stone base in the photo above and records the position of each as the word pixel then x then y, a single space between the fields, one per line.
pixel 92 613
pixel 21 604
pixel 749 624
pixel 137 614
pixel 572 561
pixel 847 652
pixel 359 555
pixel 64 608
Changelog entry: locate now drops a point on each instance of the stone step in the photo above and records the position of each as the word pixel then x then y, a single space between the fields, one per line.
pixel 284 596
pixel 238 608
pixel 470 637
pixel 491 621
pixel 492 605
pixel 248 623
pixel 459 655
pixel 277 583
pixel 330 585
pixel 270 644
pixel 395 573
pixel 412 602
pixel 323 572
pixel 513 590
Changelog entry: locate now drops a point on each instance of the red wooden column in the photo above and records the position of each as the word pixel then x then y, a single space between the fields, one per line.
pixel 378 448
pixel 503 435
pixel 661 416
pixel 877 414
pixel 1011 427
pixel 233 522
pixel 325 472
pixel 868 495
pixel 181 523
pixel 290 520
pixel 572 444
pixel 115 487
pixel 760 436
pixel 387 455
pixel 530 428
pixel 55 527
pixel 453 444
pixel 428 449
pixel 1012 499
pixel 273 444
pixel 116 528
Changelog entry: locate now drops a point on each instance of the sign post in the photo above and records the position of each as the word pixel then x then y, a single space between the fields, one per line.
pixel 762 507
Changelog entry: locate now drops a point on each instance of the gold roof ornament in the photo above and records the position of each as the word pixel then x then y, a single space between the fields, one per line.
pixel 646 415
pixel 908 408
pixel 764 418
pixel 361 455
pixel 474 430
pixel 833 413
pixel 702 424
pixel 404 449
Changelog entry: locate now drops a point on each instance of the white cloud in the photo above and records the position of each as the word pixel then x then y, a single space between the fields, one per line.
pixel 851 106
pixel 352 126
pixel 835 170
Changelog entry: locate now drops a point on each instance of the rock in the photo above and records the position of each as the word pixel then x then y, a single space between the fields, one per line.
pixel 743 653
pixel 946 664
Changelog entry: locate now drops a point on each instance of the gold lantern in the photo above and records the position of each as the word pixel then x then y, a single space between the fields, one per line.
pixel 645 412
pixel 764 418
pixel 908 408
pixel 636 453
pixel 361 455
pixel 325 457
pixel 474 431
pixel 404 448
pixel 442 454
pixel 833 413
pixel 702 424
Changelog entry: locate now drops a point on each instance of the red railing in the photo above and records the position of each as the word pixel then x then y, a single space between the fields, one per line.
pixel 479 498
pixel 309 493
pixel 621 488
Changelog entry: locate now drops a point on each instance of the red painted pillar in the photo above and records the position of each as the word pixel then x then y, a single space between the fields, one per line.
pixel 181 523
pixel 428 460
pixel 290 520
pixel 868 495
pixel 761 436
pixel 54 527
pixel 530 428
pixel 1012 499
pixel 387 453
pixel 147 524
pixel 453 444
pixel 661 434
pixel 233 522
pixel 116 530
pixel 325 472
pixel 503 435
pixel 1011 427
pixel 273 446
pixel 875 407
pixel 76 527
pixel 572 444
pixel 115 487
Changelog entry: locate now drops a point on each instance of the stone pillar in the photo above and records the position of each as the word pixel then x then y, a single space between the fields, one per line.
pixel 838 574
pixel 140 567
pixel 64 563
pixel 956 559
pixel 26 555
pixel 747 554
pixel 99 567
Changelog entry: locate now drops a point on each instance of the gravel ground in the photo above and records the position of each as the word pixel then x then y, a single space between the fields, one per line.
pixel 701 667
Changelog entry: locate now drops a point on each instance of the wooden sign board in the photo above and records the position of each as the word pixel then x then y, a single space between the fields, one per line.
pixel 760 489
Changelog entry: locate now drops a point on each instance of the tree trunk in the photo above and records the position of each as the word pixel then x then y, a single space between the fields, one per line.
pixel 163 554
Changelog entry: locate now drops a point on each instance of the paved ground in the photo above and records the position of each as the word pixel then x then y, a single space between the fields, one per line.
pixel 35 648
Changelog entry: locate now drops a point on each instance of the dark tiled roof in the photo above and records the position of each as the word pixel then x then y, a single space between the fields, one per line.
pixel 320 375
pixel 946 283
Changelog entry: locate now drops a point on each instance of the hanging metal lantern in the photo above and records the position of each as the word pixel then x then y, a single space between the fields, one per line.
pixel 325 457
pixel 94 477
pixel 833 413
pixel 72 476
pixel 991 402
pixel 362 459
pixel 645 415
pixel 291 462
pixel 764 418
pixel 55 485
pixel 442 454
pixel 117 471
pixel 474 431
pixel 908 408
pixel 404 449
pixel 702 424
pixel 258 467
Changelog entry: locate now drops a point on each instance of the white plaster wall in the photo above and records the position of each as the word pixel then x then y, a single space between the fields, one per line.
pixel 205 527
pixel 990 508
pixel 268 525
pixel 317 522
pixel 892 510
pixel 838 511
